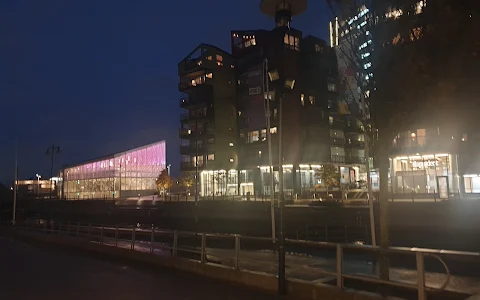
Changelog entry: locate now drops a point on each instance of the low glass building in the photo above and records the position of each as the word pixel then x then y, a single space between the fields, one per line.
pixel 126 174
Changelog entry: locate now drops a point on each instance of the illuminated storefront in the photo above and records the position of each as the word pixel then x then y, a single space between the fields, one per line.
pixel 472 183
pixel 124 174
pixel 425 174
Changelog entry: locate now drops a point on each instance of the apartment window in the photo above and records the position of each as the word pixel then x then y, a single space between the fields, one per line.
pixel 219 60
pixel 254 91
pixel 209 75
pixel 250 42
pixel 263 134
pixel 331 87
pixel 302 99
pixel 311 99
pixel 318 48
pixel 194 160
pixel 211 157
pixel 292 41
pixel 273 130
pixel 259 154
pixel 330 120
pixel 252 136
pixel 209 57
pixel 275 113
pixel 421 139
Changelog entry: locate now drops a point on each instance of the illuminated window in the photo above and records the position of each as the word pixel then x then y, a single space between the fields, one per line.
pixel 263 134
pixel 331 87
pixel 231 160
pixel 209 57
pixel 211 157
pixel 421 139
pixel 330 120
pixel 219 60
pixel 250 42
pixel 209 75
pixel 394 14
pixel 464 137
pixel 292 41
pixel 275 113
pixel 252 136
pixel 231 144
pixel 302 99
pixel 311 99
pixel 259 153
pixel 273 130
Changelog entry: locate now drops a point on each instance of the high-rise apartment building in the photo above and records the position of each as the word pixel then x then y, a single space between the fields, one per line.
pixel 209 125
pixel 224 134
pixel 430 154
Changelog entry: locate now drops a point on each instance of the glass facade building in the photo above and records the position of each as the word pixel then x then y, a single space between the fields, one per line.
pixel 432 173
pixel 126 174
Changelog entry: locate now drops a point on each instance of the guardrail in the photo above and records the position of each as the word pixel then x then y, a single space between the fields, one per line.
pixel 226 249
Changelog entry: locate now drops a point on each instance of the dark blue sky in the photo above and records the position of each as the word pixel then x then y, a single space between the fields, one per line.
pixel 97 77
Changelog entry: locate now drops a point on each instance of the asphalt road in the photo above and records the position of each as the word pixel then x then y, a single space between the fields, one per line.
pixel 33 271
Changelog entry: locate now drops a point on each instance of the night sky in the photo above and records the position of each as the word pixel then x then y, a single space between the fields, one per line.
pixel 100 76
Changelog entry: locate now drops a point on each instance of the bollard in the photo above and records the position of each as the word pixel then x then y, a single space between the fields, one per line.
pixel 152 239
pixel 132 245
pixel 116 235
pixel 422 294
pixel 175 243
pixel 204 242
pixel 237 252
pixel 339 266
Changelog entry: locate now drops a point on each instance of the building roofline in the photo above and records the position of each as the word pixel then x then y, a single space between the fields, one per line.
pixel 112 155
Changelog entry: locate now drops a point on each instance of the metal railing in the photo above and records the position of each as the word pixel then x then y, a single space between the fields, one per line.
pixel 226 249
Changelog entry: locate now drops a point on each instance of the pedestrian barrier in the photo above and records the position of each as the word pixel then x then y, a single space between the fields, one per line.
pixel 226 249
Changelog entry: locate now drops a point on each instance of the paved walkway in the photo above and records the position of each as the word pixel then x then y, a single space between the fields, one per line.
pixel 31 271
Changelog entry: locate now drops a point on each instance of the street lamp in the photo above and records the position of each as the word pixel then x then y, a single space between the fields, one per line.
pixel 282 11
pixel 38 184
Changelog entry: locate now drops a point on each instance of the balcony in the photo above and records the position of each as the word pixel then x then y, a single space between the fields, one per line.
pixel 338 159
pixel 193 82
pixel 337 125
pixel 184 102
pixel 354 128
pixel 190 166
pixel 186 117
pixel 355 144
pixel 191 150
pixel 192 134
pixel 196 101
pixel 337 141
pixel 356 160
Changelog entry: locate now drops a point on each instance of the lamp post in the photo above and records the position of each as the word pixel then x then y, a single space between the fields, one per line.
pixel 38 184
pixel 282 11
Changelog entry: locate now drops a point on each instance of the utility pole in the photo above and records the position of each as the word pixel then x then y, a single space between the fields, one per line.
pixel 281 204
pixel 269 141
pixel 52 150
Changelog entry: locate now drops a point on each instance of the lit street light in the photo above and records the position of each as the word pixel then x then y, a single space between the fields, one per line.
pixel 38 184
